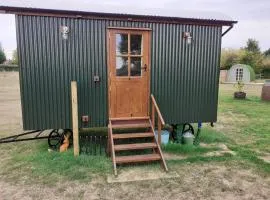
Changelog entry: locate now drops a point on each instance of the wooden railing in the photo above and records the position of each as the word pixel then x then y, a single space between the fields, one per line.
pixel 161 123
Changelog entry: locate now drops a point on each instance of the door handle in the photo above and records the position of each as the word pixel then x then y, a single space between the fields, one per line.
pixel 145 67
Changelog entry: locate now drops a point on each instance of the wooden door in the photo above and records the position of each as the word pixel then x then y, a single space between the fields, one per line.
pixel 128 71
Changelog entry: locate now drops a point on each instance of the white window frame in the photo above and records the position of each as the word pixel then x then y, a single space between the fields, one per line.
pixel 239 74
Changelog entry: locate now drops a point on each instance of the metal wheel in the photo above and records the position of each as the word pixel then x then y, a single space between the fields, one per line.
pixel 55 138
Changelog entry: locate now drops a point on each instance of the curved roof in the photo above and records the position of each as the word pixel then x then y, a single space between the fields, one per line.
pixel 120 11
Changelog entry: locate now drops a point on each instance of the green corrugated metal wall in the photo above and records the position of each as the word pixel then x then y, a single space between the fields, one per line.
pixel 184 77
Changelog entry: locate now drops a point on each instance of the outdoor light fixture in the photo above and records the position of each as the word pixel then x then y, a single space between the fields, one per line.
pixel 65 31
pixel 187 36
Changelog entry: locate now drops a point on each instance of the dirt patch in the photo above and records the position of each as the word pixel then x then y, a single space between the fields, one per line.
pixel 266 158
pixel 171 156
pixel 140 174
pixel 223 150
pixel 194 182
pixel 10 105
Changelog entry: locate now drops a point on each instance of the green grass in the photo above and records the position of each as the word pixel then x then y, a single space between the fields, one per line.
pixel 47 167
pixel 245 130
pixel 252 158
pixel 255 127
pixel 249 131
pixel 210 135
pixel 187 149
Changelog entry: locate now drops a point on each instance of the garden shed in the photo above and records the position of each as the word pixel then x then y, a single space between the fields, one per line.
pixel 125 69
pixel 240 72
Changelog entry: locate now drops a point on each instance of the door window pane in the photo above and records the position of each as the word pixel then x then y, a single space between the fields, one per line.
pixel 135 44
pixel 135 66
pixel 121 66
pixel 121 44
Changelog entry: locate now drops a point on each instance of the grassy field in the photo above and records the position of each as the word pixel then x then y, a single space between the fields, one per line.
pixel 232 160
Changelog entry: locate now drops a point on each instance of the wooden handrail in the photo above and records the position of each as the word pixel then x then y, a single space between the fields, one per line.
pixel 161 121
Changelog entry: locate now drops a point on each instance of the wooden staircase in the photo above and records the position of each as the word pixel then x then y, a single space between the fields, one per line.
pixel 141 146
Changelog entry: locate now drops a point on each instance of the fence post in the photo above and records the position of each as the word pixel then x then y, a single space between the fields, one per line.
pixel 75 126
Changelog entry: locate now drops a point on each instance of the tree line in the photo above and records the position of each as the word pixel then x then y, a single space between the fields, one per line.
pixel 3 57
pixel 250 55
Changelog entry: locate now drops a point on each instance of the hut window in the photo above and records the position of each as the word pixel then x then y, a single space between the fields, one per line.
pixel 239 74
pixel 121 44
pixel 129 54
pixel 122 66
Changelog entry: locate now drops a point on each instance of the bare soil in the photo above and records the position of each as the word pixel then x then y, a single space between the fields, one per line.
pixel 195 181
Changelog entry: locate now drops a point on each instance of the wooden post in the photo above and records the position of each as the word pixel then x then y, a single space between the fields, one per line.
pixel 159 131
pixel 153 115
pixel 75 126
pixel 109 142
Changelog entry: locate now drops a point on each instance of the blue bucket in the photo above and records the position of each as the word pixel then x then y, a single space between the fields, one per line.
pixel 165 135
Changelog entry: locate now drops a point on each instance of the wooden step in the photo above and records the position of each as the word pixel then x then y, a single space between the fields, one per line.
pixel 132 135
pixel 137 158
pixel 123 147
pixel 129 118
pixel 135 123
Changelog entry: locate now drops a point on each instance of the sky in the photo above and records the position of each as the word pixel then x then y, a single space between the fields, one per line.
pixel 253 16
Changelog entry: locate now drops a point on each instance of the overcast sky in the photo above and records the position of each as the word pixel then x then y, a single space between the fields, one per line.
pixel 253 16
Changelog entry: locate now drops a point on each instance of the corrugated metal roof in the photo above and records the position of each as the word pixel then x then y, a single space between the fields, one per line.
pixel 120 9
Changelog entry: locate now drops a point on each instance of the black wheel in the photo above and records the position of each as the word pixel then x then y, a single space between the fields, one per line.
pixel 55 138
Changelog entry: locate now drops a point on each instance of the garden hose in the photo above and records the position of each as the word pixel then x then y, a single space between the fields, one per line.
pixel 197 139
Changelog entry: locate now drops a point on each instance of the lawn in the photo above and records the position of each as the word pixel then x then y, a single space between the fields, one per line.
pixel 232 159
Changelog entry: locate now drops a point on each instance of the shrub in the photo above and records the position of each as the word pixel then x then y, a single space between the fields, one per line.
pixel 255 60
pixel 9 68
pixel 230 57
pixel 266 73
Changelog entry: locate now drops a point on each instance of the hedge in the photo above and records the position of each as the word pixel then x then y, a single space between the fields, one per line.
pixel 4 67
pixel 266 73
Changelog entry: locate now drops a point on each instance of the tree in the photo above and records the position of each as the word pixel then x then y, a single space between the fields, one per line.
pixel 15 57
pixel 2 55
pixel 255 60
pixel 267 52
pixel 252 46
pixel 230 57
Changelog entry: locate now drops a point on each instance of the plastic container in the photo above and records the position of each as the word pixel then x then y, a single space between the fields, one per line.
pixel 266 91
pixel 165 135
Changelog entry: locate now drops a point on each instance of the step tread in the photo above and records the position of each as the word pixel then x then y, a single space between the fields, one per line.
pixel 133 135
pixel 136 123
pixel 137 158
pixel 129 118
pixel 122 147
